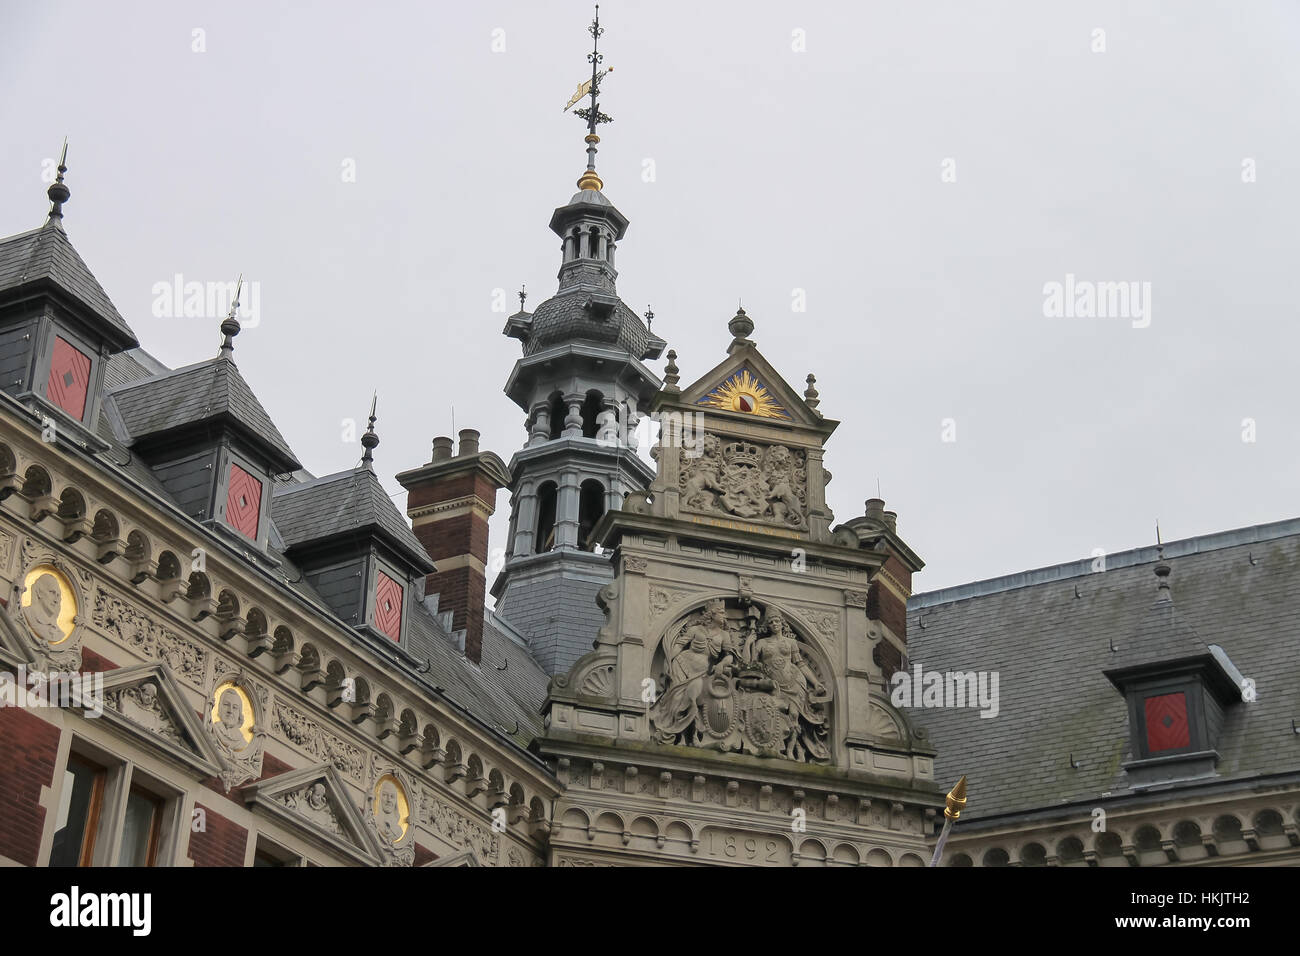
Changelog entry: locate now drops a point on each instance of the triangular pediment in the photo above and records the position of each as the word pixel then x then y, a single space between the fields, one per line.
pixel 146 703
pixel 315 801
pixel 746 387
pixel 464 858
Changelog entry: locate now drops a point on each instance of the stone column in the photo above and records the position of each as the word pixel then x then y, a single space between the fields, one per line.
pixel 573 421
pixel 566 512
pixel 526 525
pixel 541 430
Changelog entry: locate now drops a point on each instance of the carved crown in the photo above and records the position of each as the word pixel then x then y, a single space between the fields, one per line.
pixel 742 453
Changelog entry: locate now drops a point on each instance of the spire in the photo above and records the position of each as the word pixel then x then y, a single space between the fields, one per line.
pixel 592 113
pixel 58 192
pixel 1163 594
pixel 649 317
pixel 370 440
pixel 523 296
pixel 230 324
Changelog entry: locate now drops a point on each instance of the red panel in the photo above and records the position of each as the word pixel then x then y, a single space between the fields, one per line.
pixel 388 606
pixel 1167 723
pixel 244 503
pixel 69 379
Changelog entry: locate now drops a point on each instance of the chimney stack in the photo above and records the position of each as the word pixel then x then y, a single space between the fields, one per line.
pixel 449 501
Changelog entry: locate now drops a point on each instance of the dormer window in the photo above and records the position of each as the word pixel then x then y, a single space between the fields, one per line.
pixel 69 380
pixel 243 502
pixel 388 605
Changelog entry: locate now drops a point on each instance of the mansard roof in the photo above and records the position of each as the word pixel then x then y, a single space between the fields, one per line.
pixel 210 392
pixel 340 507
pixel 44 258
pixel 1051 635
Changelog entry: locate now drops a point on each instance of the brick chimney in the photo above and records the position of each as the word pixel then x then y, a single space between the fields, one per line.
pixel 892 585
pixel 449 501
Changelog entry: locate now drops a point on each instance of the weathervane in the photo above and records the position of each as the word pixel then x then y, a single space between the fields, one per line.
pixel 592 113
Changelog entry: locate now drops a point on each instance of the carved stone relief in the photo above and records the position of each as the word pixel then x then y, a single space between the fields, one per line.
pixel 235 720
pixel 141 705
pixel 312 803
pixel 137 630
pixel 741 679
pixel 302 731
pixel 47 609
pixel 457 828
pixel 765 484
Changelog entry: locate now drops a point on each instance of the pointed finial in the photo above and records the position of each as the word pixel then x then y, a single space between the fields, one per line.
pixel 58 192
pixel 810 395
pixel 649 316
pixel 671 378
pixel 230 324
pixel 955 802
pixel 1162 570
pixel 592 113
pixel 523 295
pixel 370 440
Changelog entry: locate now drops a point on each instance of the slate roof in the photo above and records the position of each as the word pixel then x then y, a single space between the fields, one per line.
pixel 562 319
pixel 345 503
pixel 508 698
pixel 210 391
pixel 46 255
pixel 1049 633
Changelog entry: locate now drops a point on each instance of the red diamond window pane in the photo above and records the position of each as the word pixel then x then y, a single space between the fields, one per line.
pixel 1167 723
pixel 69 379
pixel 244 502
pixel 388 606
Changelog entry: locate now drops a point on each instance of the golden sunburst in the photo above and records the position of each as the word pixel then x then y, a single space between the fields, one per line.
pixel 744 393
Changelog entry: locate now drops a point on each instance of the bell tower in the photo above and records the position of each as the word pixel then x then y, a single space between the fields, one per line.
pixel 582 382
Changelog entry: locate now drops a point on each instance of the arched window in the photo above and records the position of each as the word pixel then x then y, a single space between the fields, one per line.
pixel 577 243
pixel 594 250
pixel 591 414
pixel 545 540
pixel 559 411
pixel 591 507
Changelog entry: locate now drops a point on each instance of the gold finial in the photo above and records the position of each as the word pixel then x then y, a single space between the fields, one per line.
pixel 956 800
pixel 592 114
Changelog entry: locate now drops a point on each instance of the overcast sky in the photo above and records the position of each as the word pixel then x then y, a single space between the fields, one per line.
pixel 920 171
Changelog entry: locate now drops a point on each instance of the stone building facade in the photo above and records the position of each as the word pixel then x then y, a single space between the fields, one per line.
pixel 210 657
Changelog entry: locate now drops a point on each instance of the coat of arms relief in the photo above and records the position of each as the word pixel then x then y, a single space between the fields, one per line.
pixel 741 679
pixel 754 482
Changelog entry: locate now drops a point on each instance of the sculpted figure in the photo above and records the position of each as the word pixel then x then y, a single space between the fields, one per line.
pixel 42 615
pixel 316 797
pixel 230 720
pixel 703 480
pixel 778 652
pixel 677 709
pixel 778 471
pixel 388 813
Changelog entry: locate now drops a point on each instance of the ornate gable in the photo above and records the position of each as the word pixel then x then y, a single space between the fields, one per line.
pixel 314 801
pixel 146 703
pixel 736 643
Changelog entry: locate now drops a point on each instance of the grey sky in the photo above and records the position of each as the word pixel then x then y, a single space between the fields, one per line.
pixel 775 170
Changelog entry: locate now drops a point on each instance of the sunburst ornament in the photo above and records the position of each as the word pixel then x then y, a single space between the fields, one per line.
pixel 743 392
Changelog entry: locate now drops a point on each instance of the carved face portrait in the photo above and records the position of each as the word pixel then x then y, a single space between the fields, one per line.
pixel 48 604
pixel 232 717
pixel 390 808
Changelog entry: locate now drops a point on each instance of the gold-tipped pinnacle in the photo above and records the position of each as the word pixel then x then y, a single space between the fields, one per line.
pixel 956 800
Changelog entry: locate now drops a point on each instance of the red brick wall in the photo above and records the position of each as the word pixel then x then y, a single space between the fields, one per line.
pixel 222 843
pixel 92 663
pixel 28 749
pixel 424 855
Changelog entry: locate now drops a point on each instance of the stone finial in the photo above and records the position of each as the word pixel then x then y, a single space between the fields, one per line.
pixel 671 378
pixel 740 326
pixel 810 394
pixel 1164 595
